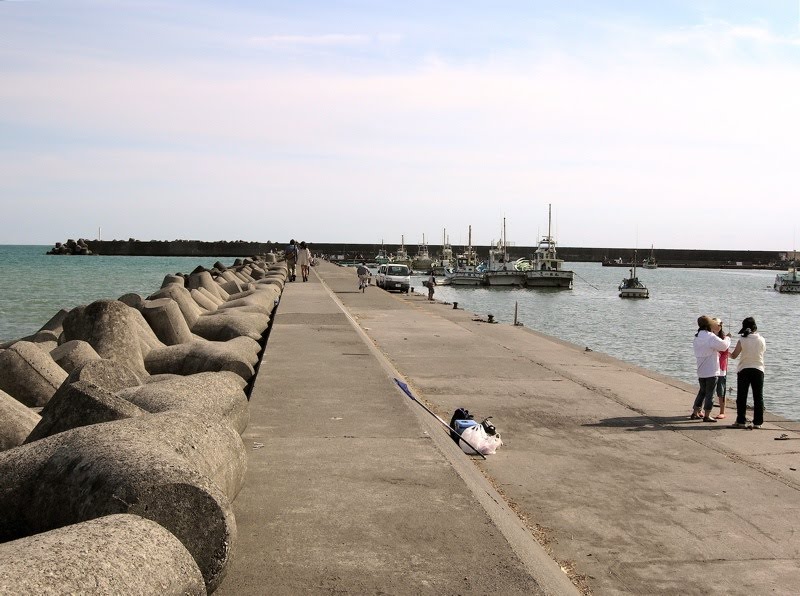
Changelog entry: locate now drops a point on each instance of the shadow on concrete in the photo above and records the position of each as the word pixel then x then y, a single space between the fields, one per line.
pixel 655 423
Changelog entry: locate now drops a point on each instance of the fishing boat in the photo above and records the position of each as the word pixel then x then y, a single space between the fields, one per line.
pixel 401 256
pixel 632 287
pixel 500 271
pixel 382 257
pixel 650 262
pixel 545 270
pixel 467 271
pixel 422 260
pixel 788 283
pixel 444 262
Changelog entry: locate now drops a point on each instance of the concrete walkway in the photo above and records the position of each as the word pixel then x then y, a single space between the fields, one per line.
pixel 357 489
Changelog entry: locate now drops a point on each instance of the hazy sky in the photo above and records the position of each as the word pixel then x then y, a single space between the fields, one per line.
pixel 673 123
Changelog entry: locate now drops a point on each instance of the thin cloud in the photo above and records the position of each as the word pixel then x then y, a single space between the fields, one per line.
pixel 326 40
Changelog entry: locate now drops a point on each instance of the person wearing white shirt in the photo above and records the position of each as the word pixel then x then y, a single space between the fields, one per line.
pixel 707 346
pixel 750 373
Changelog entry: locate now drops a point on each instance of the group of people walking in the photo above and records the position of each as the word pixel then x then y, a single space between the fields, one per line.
pixel 712 351
pixel 298 255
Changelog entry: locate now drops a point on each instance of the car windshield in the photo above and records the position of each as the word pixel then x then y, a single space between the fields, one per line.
pixel 397 270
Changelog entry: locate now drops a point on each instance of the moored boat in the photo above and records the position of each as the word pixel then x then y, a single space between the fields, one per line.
pixel 422 260
pixel 650 262
pixel 441 265
pixel 381 258
pixel 401 256
pixel 467 271
pixel 545 267
pixel 788 283
pixel 632 287
pixel 499 270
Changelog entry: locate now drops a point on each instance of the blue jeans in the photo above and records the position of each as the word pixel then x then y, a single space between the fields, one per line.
pixel 746 378
pixel 722 387
pixel 705 396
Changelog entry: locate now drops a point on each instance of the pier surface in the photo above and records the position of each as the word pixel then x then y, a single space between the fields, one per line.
pixel 353 488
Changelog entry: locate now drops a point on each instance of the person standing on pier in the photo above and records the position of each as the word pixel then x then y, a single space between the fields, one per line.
pixel 304 260
pixel 291 258
pixel 722 379
pixel 706 350
pixel 750 373
pixel 431 284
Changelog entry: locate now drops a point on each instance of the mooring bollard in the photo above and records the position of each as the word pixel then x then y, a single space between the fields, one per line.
pixel 490 318
pixel 455 305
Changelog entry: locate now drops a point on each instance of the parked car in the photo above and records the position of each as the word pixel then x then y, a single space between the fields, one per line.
pixel 394 278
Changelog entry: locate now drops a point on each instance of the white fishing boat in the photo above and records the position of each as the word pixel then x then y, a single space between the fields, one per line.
pixel 788 283
pixel 545 269
pixel 650 262
pixel 632 287
pixel 382 257
pixel 500 271
pixel 401 256
pixel 422 261
pixel 467 271
pixel 444 262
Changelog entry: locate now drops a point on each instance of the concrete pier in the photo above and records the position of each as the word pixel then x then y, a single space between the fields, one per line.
pixel 603 482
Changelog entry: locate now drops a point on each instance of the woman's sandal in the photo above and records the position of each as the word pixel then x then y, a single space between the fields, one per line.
pixel 720 416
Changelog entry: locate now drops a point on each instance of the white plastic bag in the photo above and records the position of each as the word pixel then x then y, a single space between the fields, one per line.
pixel 477 437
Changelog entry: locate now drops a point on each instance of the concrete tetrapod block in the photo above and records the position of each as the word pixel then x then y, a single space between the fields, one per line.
pixel 132 300
pixel 115 330
pixel 16 421
pixel 203 279
pixel 73 354
pixel 179 469
pixel 197 357
pixel 232 286
pixel 166 320
pixel 220 393
pixel 55 323
pixel 81 404
pixel 213 297
pixel 29 374
pixel 173 279
pixel 203 301
pixel 115 554
pixel 107 374
pixel 183 297
pixel 230 323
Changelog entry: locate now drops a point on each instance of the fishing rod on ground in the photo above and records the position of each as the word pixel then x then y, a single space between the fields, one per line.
pixel 407 391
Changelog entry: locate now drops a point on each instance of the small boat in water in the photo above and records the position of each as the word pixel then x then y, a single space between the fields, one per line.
pixel 444 263
pixel 467 271
pixel 788 283
pixel 422 261
pixel 381 258
pixel 401 256
pixel 650 262
pixel 499 271
pixel 545 267
pixel 632 287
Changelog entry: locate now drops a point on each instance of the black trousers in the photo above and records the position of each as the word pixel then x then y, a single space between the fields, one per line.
pixel 746 378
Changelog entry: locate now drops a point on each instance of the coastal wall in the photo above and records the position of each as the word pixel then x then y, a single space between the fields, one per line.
pixel 120 435
pixel 354 251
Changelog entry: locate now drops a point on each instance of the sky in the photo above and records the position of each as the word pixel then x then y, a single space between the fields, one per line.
pixel 671 123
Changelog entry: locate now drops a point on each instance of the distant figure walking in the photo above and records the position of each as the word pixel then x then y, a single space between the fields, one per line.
pixel 363 276
pixel 706 350
pixel 291 258
pixel 431 284
pixel 750 373
pixel 304 260
pixel 722 379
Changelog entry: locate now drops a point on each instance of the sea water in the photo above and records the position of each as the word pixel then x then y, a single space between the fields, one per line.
pixel 655 333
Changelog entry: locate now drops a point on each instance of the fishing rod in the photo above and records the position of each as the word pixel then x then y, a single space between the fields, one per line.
pixel 407 391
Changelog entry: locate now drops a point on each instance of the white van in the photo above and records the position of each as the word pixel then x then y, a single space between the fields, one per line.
pixel 394 278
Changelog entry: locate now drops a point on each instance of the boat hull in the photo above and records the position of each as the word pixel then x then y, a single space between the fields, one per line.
pixel 466 279
pixel 548 279
pixel 634 293
pixel 505 278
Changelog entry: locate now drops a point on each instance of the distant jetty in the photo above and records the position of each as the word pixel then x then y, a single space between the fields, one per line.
pixel 341 251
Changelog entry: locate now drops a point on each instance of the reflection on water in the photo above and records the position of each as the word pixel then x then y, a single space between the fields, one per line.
pixel 655 333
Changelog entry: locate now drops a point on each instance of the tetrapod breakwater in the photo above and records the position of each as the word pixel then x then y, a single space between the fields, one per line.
pixel 120 435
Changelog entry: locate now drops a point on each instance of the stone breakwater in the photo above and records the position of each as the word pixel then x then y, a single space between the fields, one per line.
pixel 120 446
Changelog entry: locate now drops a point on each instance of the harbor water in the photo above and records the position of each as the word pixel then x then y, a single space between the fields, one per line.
pixel 655 333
